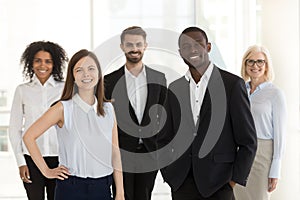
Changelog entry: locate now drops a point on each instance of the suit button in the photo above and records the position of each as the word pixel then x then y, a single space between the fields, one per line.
pixel 172 150
pixel 195 134
pixel 140 130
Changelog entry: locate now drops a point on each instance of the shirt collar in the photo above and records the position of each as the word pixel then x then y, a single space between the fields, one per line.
pixel 128 73
pixel 206 75
pixel 259 87
pixel 83 105
pixel 36 81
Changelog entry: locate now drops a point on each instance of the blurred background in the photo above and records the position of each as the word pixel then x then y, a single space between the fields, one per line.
pixel 232 26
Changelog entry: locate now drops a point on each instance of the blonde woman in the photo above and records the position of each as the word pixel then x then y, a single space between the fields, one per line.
pixel 268 108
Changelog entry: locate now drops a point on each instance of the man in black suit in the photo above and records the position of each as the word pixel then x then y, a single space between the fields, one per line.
pixel 212 138
pixel 136 90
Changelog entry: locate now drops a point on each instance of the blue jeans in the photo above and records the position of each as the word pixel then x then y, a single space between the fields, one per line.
pixel 76 188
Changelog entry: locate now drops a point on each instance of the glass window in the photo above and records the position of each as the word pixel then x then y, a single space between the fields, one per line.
pixel 3 139
pixel 231 26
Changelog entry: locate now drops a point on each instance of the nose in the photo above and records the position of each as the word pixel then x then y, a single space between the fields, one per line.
pixel 134 47
pixel 194 49
pixel 86 73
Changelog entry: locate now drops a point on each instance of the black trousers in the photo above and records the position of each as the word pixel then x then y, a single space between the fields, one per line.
pixel 36 189
pixel 138 186
pixel 188 191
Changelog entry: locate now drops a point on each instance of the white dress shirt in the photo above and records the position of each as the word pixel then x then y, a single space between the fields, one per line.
pixel 85 140
pixel 137 91
pixel 30 101
pixel 197 90
pixel 268 108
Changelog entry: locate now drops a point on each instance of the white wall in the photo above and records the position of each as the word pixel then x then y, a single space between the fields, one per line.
pixel 280 33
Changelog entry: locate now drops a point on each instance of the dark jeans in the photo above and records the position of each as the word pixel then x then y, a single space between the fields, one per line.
pixel 76 188
pixel 36 189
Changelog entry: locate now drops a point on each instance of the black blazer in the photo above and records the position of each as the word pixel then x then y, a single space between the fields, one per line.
pixel 129 130
pixel 225 133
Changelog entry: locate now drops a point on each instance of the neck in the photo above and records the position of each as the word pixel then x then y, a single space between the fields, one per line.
pixel 87 96
pixel 134 68
pixel 198 72
pixel 196 75
pixel 254 83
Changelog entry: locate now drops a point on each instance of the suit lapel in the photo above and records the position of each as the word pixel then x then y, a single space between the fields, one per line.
pixel 122 95
pixel 150 92
pixel 185 101
pixel 206 104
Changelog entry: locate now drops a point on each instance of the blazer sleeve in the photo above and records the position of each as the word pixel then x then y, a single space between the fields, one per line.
pixel 244 132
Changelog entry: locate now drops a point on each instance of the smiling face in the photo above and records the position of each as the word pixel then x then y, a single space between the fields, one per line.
pixel 86 73
pixel 256 66
pixel 134 47
pixel 42 65
pixel 194 50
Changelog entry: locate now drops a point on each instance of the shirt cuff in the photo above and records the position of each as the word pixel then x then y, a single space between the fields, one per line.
pixel 20 160
pixel 275 168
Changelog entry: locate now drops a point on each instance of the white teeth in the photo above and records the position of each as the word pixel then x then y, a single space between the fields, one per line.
pixel 42 71
pixel 87 81
pixel 194 57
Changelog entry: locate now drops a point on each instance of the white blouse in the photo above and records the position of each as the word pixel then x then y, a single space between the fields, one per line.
pixel 85 140
pixel 30 101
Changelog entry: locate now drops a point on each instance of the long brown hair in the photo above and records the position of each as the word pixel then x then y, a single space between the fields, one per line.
pixel 70 87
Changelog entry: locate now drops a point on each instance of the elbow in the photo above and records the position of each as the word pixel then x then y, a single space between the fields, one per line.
pixel 26 139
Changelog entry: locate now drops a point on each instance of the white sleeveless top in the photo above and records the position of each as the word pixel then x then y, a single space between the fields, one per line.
pixel 85 140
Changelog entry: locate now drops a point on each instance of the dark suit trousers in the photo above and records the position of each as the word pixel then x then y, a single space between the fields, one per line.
pixel 138 186
pixel 36 189
pixel 188 191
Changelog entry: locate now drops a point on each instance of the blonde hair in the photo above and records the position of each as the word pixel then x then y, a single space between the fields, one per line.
pixel 269 73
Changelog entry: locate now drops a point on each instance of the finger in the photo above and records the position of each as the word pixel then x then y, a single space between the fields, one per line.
pixel 64 170
pixel 27 173
pixel 272 186
pixel 61 173
pixel 25 179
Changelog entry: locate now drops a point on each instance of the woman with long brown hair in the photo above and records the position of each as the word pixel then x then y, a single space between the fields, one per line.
pixel 89 155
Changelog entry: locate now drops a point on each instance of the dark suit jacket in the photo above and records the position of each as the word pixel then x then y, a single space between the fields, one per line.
pixel 129 129
pixel 225 130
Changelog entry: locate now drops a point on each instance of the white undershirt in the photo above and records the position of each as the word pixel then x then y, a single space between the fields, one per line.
pixel 197 91
pixel 137 91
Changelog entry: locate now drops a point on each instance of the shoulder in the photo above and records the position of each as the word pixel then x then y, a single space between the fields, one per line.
pixel 228 76
pixel 25 88
pixel 107 105
pixel 231 80
pixel 275 91
pixel 24 85
pixel 115 73
pixel 178 81
pixel 108 109
pixel 59 83
pixel 154 72
pixel 65 103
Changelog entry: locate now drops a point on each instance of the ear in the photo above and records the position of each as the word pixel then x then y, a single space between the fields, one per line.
pixel 208 47
pixel 122 47
pixel 179 50
pixel 146 45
